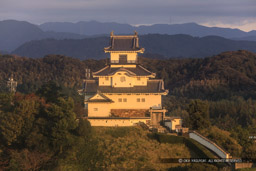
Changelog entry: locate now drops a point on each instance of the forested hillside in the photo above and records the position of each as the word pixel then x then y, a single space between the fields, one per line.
pixel 221 76
pixel 229 78
pixel 215 96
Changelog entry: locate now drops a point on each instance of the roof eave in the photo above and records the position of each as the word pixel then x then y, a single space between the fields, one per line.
pixel 108 50
pixel 98 102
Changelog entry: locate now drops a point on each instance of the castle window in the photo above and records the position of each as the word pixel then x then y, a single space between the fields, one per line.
pixel 143 99
pixel 124 100
pixel 138 99
pixel 138 78
pixel 106 78
pixel 122 59
pixel 120 100
pixel 95 109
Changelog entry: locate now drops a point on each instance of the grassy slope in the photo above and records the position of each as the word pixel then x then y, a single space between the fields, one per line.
pixel 129 148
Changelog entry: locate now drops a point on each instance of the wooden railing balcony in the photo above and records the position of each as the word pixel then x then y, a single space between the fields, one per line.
pixel 124 62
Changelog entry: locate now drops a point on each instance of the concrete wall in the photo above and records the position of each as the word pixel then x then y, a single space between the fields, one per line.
pixel 153 101
pixel 116 122
pixel 209 144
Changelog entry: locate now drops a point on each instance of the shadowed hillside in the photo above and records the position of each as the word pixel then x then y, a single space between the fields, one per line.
pixel 168 46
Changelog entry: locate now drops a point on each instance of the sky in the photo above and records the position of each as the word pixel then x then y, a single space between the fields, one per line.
pixel 221 13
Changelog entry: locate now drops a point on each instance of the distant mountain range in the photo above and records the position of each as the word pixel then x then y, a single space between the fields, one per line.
pixel 15 33
pixel 193 29
pixel 168 46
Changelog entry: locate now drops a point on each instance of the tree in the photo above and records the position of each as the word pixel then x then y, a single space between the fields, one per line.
pixel 50 91
pixel 165 76
pixel 10 127
pixel 84 128
pixel 198 114
pixel 62 122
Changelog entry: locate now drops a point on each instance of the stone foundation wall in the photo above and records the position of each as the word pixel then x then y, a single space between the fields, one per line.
pixel 129 112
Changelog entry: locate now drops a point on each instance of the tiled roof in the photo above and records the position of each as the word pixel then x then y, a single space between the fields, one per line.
pixel 104 100
pixel 119 118
pixel 124 43
pixel 137 71
pixel 153 86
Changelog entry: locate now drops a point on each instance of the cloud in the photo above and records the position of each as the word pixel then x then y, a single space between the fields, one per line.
pixel 211 12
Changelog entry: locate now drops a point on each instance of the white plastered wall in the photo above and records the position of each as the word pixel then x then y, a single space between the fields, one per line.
pixel 116 82
pixel 99 109
pixel 151 100
pixel 130 56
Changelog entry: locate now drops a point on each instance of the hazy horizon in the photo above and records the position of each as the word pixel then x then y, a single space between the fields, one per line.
pixel 135 25
pixel 228 14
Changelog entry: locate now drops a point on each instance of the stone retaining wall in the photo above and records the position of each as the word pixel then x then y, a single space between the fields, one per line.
pixel 129 113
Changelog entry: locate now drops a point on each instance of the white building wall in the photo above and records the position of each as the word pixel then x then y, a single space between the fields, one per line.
pixel 172 124
pixel 129 81
pixel 105 81
pixel 99 109
pixel 130 56
pixel 118 77
pixel 132 102
pixel 142 81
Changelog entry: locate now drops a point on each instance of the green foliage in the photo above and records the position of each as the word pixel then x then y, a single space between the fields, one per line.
pixel 223 139
pixel 241 135
pixel 198 114
pixel 10 127
pixel 135 150
pixel 250 152
pixel 50 91
pixel 36 134
pixel 235 111
pixel 120 132
pixel 84 128
pixel 200 150
pixel 6 101
pixel 62 120
pixel 163 138
pixel 219 77
pixel 202 167
pixel 225 82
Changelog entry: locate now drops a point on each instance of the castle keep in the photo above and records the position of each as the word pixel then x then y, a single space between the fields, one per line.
pixel 124 92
